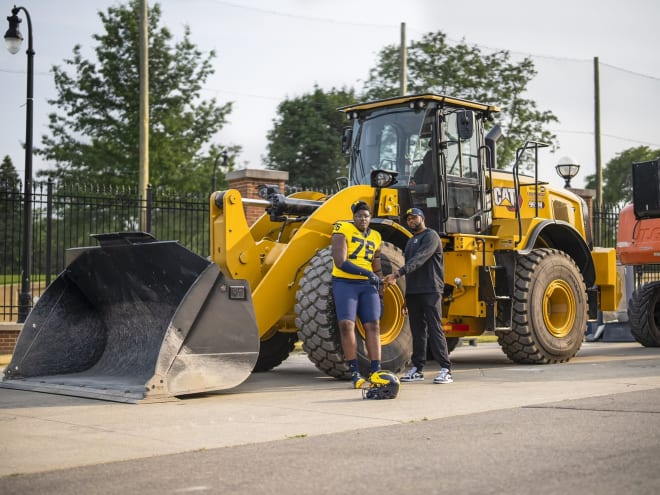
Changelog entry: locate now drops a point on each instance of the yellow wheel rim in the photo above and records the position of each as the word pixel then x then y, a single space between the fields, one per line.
pixel 393 319
pixel 559 308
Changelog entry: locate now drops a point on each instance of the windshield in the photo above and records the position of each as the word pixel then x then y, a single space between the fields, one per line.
pixel 390 139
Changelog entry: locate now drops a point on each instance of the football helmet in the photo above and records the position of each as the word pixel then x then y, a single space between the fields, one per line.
pixel 383 385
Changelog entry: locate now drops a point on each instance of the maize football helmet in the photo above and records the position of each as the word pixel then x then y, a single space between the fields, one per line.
pixel 383 385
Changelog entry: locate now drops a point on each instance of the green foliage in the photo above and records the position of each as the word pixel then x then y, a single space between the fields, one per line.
pixel 9 181
pixel 617 174
pixel 10 215
pixel 464 71
pixel 305 139
pixel 94 137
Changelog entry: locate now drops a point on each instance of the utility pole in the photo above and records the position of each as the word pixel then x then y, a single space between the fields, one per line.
pixel 144 113
pixel 599 168
pixel 404 62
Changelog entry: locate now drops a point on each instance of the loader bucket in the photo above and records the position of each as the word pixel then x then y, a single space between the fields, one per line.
pixel 136 320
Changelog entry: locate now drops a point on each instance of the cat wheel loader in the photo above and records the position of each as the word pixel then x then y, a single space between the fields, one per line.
pixel 638 245
pixel 136 319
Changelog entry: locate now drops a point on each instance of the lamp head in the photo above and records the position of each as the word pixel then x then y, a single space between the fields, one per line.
pixel 567 168
pixel 13 36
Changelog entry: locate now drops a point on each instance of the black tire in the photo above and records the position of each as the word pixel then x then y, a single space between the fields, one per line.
pixel 317 321
pixel 644 315
pixel 275 350
pixel 452 342
pixel 549 309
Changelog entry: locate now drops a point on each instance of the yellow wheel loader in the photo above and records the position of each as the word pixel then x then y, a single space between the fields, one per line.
pixel 135 319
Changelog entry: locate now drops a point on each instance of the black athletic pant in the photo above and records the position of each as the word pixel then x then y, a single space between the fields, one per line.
pixel 425 313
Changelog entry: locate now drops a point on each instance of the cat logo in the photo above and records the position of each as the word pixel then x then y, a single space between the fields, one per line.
pixel 506 196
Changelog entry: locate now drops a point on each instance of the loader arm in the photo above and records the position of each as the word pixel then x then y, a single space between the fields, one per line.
pixel 273 265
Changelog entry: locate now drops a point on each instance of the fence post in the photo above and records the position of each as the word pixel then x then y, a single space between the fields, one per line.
pixel 149 197
pixel 49 228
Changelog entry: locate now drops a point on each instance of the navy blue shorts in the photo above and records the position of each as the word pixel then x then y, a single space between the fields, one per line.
pixel 356 298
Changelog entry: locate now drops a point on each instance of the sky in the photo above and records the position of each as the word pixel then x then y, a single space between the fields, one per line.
pixel 270 50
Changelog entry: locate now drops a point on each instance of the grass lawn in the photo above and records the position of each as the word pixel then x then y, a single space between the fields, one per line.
pixel 16 279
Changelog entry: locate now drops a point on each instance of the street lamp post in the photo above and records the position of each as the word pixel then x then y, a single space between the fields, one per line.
pixel 13 40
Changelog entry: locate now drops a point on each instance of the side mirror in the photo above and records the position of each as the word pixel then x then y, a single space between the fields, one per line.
pixel 465 123
pixel 342 183
pixel 646 189
pixel 346 139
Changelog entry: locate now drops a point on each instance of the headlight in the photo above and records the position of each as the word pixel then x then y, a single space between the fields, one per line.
pixel 380 178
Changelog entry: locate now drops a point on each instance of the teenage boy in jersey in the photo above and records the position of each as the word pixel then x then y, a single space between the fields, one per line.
pixel 356 286
pixel 424 272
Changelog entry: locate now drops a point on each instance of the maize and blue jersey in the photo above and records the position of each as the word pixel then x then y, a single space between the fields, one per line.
pixel 361 248
pixel 354 295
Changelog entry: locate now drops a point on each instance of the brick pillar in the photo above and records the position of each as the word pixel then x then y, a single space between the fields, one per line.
pixel 8 336
pixel 247 182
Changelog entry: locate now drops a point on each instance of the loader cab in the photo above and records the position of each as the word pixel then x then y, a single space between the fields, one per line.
pixel 435 147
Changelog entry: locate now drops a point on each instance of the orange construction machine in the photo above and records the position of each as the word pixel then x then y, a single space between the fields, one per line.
pixel 638 245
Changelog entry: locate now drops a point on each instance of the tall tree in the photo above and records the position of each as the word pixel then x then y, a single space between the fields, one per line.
pixel 305 139
pixel 617 174
pixel 464 71
pixel 10 217
pixel 94 133
pixel 9 181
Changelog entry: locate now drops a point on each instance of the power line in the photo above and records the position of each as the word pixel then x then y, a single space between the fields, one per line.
pixel 302 17
pixel 591 133
pixel 247 95
pixel 390 26
pixel 630 71
pixel 542 56
pixel 631 140
pixel 23 72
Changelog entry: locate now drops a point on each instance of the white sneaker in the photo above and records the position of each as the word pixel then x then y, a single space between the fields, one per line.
pixel 412 375
pixel 443 377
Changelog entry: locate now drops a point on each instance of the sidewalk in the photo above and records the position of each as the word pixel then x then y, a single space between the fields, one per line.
pixel 42 432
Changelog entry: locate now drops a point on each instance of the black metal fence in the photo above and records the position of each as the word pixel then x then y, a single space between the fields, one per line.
pixel 606 225
pixel 66 216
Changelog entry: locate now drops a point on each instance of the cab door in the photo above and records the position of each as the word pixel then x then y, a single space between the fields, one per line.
pixel 460 146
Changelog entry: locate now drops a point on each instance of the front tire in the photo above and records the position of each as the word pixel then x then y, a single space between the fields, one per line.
pixel 644 315
pixel 317 321
pixel 549 309
pixel 274 350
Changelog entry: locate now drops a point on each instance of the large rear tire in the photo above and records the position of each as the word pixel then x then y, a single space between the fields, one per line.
pixel 549 309
pixel 317 321
pixel 644 315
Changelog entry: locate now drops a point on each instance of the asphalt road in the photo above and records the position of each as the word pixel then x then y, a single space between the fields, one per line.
pixel 589 426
